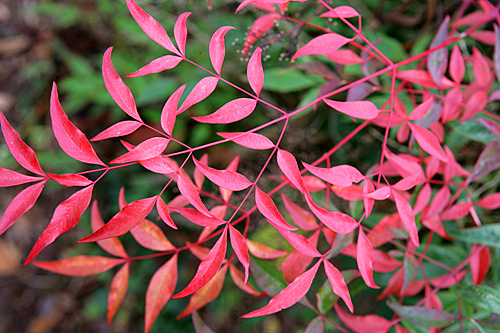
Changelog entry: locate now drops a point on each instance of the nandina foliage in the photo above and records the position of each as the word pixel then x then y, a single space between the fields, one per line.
pixel 430 193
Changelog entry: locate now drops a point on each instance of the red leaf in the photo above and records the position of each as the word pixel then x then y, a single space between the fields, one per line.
pixel 169 111
pixel 119 129
pixel 438 60
pixel 198 176
pixel 206 294
pixel 263 251
pixel 423 198
pixel 455 212
pixel 111 245
pixel 151 27
pixel 342 175
pixel 217 49
pixel 341 11
pixel 23 153
pixel 259 27
pixel 230 112
pixel 346 57
pixel 479 263
pixel 255 73
pixel 117 291
pixel 295 264
pixel 238 279
pixel 198 218
pixel 474 104
pixel 356 109
pixel 160 289
pixel 482 72
pixel 422 78
pixel 349 193
pixel 289 167
pixel 428 142
pixel 20 205
pixel 233 166
pixel 159 164
pixel 180 32
pixel 66 216
pixel 189 191
pixel 79 265
pixel 12 178
pixel 364 258
pixel 162 208
pixel 156 66
pixel 324 44
pixel 248 140
pixel 407 216
pixel 266 206
pixel 363 324
pixel 300 243
pixel 300 216
pixel 127 218
pixel 421 110
pixel 496 54
pixel 224 178
pixel 240 248
pixel 70 138
pixel 150 236
pixel 201 90
pixel 457 65
pixel 70 179
pixel 339 222
pixel 338 284
pixel 491 201
pixel 289 295
pixel 145 150
pixel 208 267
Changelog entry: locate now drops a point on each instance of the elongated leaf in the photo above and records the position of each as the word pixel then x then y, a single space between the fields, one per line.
pixel 428 142
pixel 217 49
pixel 169 111
pixel 496 56
pixel 356 109
pixel 150 236
pixel 66 216
pixel 156 66
pixel 488 161
pixel 160 289
pixel 487 235
pixel 407 216
pixel 491 201
pixel 342 175
pixel 180 32
pixel 208 267
pixel 201 90
pixel 240 248
pixel 79 265
pixel 23 153
pixel 457 65
pixel 482 296
pixel 151 27
pixel 189 191
pixel 421 110
pixel 479 263
pixel 362 324
pixel 199 324
pixel 224 178
pixel 339 286
pixel 364 258
pixel 12 178
pixel 266 206
pixel 111 245
pixel 230 112
pixel 127 218
pixel 299 215
pixel 263 251
pixel 255 73
pixel 248 140
pixel 198 218
pixel 162 208
pixel 339 222
pixel 117 291
pixel 288 296
pixel 341 11
pixel 423 316
pixel 147 149
pixel 315 326
pixel 438 60
pixel 239 280
pixel 20 205
pixel 268 277
pixel 70 138
pixel 324 44
pixel 121 128
pixel 70 179
pixel 288 165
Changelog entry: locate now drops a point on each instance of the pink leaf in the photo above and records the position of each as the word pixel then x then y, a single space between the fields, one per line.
pixel 180 32
pixel 127 218
pixel 491 201
pixel 300 243
pixel 66 216
pixel 116 87
pixel 299 215
pixel 70 138
pixel 189 191
pixel 20 205
pixel 341 11
pixel 347 57
pixel 288 296
pixel 248 140
pixel 156 66
pixel 160 289
pixel 289 167
pixel 233 166
pixel 338 222
pixel 267 207
pixel 492 125
pixel 79 265
pixel 119 129
pixel 162 208
pixel 364 257
pixel 263 251
pixel 12 178
pixel 407 216
pixel 198 176
pixel 23 153
pixel 479 263
pixel 70 179
pixel 158 164
pixel 151 27
pixel 146 150
pixel 117 291
pixel 428 142
pixel 409 182
pixel 169 111
pixel 240 248
pixel 150 236
pixel 421 110
pixel 363 324
pixel 457 65
pixel 482 72
pixel 356 109
pixel 338 284
pixel 111 245
pixel 238 279
pixel 230 112
pixel 224 178
pixel 255 73
pixel 217 49
pixel 201 90
pixel 208 267
pixel 198 218
pixel 342 175
pixel 324 44
pixel 423 198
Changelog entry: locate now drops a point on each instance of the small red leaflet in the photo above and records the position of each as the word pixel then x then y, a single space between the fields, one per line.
pixel 224 178
pixel 217 49
pixel 79 265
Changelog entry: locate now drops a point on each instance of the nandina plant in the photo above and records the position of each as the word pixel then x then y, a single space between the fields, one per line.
pixel 393 217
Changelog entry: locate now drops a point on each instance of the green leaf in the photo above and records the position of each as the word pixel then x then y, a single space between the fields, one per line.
pixel 423 316
pixel 282 80
pixel 487 235
pixel 475 131
pixel 482 296
pixel 479 327
pixel 492 322
pixel 267 276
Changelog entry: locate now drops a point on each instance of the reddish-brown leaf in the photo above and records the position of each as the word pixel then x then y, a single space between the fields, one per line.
pixel 198 218
pixel 217 49
pixel 150 236
pixel 364 258
pixel 117 291
pixel 79 265
pixel 239 280
pixel 263 251
pixel 299 215
pixel 338 284
pixel 240 248
pixel 266 206
pixel 111 245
